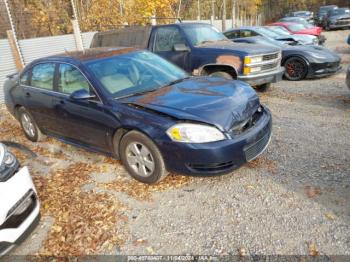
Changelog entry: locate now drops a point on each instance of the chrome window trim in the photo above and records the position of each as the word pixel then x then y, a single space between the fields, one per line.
pixel 60 93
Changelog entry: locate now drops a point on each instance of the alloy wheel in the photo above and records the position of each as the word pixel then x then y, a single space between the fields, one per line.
pixel 28 125
pixel 140 159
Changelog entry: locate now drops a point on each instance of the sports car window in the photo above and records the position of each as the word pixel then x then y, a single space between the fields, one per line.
pixel 71 80
pixel 166 38
pixel 43 75
pixel 233 34
pixel 248 33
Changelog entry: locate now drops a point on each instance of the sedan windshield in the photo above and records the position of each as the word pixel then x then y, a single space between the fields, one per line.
pixel 279 30
pixel 296 27
pixel 200 34
pixel 134 73
pixel 268 33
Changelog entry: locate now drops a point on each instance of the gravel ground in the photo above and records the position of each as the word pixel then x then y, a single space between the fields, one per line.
pixel 294 199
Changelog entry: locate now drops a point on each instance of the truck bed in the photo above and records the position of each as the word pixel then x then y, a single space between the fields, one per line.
pixel 134 36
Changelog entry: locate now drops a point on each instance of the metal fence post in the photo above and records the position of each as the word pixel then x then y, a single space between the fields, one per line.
pixel 12 37
pixel 76 29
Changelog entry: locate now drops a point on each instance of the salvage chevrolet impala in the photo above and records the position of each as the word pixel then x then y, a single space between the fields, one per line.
pixel 136 106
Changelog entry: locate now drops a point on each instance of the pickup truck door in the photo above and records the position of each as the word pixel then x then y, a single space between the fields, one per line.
pixel 163 42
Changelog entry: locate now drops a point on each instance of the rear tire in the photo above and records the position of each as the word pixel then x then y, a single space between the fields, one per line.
pixel 29 126
pixel 296 69
pixel 142 158
pixel 222 74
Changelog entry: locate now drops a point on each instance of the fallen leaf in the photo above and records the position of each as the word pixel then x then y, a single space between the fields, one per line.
pixel 330 216
pixel 313 250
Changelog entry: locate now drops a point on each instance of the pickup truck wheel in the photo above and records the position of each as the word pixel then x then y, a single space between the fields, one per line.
pixel 263 88
pixel 142 158
pixel 222 74
pixel 30 128
pixel 296 69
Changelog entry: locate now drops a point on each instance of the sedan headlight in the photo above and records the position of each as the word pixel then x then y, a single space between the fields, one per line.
pixel 194 133
pixel 8 164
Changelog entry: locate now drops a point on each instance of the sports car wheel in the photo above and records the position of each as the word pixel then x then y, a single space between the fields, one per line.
pixel 296 69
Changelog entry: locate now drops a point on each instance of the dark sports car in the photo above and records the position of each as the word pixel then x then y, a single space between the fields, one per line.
pixel 142 109
pixel 301 61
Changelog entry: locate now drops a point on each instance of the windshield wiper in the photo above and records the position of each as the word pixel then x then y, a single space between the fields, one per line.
pixel 137 93
pixel 177 81
pixel 152 90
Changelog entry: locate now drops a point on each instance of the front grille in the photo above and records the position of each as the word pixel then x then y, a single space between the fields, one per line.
pixel 269 67
pixel 333 65
pixel 343 22
pixel 14 220
pixel 253 150
pixel 212 167
pixel 270 57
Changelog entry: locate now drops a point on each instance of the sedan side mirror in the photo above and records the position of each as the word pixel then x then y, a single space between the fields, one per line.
pixel 82 94
pixel 181 48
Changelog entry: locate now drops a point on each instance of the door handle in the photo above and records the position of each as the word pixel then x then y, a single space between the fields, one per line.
pixel 27 94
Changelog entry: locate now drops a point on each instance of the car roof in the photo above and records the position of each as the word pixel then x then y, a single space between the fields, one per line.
pixel 76 57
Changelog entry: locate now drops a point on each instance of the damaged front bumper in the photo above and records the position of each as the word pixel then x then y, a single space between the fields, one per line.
pixel 263 78
pixel 219 157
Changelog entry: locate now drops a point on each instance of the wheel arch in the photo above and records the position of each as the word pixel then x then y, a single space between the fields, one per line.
pixel 210 68
pixel 120 132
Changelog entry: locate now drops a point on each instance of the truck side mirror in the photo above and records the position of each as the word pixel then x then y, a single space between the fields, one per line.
pixel 181 48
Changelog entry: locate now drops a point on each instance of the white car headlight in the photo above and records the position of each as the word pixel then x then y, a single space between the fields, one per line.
pixel 5 156
pixel 194 133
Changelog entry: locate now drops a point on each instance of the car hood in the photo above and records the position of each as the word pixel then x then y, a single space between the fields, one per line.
pixel 228 45
pixel 215 101
pixel 328 55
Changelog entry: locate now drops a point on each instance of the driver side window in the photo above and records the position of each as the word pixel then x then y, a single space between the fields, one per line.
pixel 166 38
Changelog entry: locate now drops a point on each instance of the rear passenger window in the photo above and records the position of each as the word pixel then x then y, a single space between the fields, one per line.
pixel 43 75
pixel 24 79
pixel 71 80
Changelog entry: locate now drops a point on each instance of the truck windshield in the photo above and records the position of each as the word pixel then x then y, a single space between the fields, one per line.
pixel 201 34
pixel 134 73
pixel 340 11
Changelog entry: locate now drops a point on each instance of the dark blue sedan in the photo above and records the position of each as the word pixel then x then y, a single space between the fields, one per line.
pixel 142 109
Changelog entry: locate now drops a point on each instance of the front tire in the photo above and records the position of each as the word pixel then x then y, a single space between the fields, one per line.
pixel 142 158
pixel 29 126
pixel 296 69
pixel 222 74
